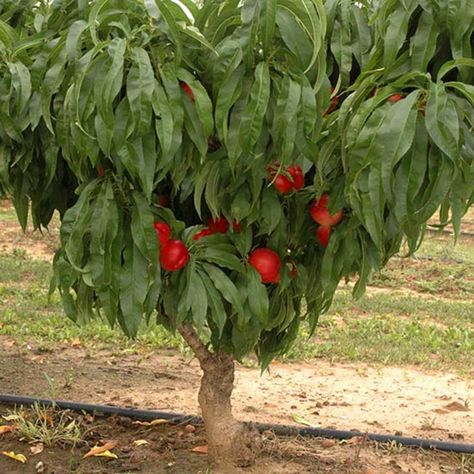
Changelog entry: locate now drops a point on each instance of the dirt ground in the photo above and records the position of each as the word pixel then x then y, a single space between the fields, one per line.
pixel 178 450
pixel 402 401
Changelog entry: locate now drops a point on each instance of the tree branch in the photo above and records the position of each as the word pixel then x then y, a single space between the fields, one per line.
pixel 194 342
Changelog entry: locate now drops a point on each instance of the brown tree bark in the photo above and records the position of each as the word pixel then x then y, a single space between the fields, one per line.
pixel 231 443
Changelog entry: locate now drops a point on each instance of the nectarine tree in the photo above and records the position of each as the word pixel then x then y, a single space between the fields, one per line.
pixel 123 114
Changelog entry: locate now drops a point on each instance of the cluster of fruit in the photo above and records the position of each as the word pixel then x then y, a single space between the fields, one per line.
pixel 174 254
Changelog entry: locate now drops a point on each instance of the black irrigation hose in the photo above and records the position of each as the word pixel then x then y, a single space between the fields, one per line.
pixel 281 430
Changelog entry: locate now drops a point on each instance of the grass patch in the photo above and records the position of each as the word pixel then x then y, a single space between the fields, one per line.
pixel 389 340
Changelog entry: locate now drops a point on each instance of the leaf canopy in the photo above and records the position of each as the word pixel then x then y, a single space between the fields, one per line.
pixel 106 106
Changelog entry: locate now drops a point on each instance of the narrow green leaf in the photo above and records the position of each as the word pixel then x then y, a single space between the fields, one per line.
pixel 442 121
pixel 140 87
pixel 252 120
pixel 225 286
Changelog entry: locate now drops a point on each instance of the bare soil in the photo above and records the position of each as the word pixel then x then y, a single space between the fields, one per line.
pixel 402 401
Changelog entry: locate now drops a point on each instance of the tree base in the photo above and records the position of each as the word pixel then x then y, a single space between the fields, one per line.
pixel 231 444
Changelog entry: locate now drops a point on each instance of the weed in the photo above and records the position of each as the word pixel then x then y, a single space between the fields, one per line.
pixel 46 425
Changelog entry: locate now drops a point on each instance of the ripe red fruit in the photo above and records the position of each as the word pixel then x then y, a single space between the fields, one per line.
pixel 202 233
pixel 323 234
pixel 283 184
pixel 174 255
pixel 187 90
pixel 219 225
pixel 297 175
pixel 395 98
pixel 163 230
pixel 267 263
pixel 320 214
pixel 100 171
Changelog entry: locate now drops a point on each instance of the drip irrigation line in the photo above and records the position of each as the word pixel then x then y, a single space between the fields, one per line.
pixel 280 430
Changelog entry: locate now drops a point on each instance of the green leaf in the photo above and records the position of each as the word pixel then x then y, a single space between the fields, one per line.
pixel 140 88
pixel 423 43
pixel 442 121
pixel 395 35
pixel 225 286
pixel 223 258
pixel 133 288
pixel 108 89
pixel 257 296
pixel 455 63
pixel 199 301
pixel 139 158
pixel 252 120
pixel 396 136
pixel 21 82
pixel 73 39
pixel 164 121
pixel 269 9
pixel 104 229
pixel 228 94
pixel 216 305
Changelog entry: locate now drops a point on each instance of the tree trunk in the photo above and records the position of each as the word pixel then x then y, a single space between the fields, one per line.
pixel 231 444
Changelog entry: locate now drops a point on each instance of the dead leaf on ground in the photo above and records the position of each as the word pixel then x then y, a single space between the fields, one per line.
pixel 456 406
pixel 7 429
pixel 200 449
pixel 152 423
pixel 16 457
pixel 9 343
pixel 37 448
pixel 140 442
pixel 100 450
pixel 76 342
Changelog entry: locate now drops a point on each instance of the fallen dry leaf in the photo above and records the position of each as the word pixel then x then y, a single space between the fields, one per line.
pixel 140 442
pixel 38 359
pixel 17 457
pixel 152 423
pixel 99 450
pixel 106 454
pixel 200 449
pixel 76 342
pixel 7 429
pixel 37 448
